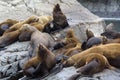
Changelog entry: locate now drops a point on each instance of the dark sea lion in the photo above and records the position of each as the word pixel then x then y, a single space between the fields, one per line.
pixel 6 25
pixel 59 21
pixel 110 33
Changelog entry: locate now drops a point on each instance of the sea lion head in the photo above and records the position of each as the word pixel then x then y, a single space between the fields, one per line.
pixel 70 33
pixel 57 8
pixel 25 32
pixel 32 19
pixel 42 50
pixel 89 34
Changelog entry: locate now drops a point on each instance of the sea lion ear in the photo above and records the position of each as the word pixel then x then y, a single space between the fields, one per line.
pixel 57 5
pixel 41 46
pixel 89 34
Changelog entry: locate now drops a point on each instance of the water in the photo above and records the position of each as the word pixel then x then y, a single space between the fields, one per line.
pixel 115 21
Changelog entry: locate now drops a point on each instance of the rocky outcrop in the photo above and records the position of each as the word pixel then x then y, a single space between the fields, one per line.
pixel 79 18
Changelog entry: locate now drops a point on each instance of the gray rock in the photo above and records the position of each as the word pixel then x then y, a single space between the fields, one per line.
pixel 79 18
pixel 103 8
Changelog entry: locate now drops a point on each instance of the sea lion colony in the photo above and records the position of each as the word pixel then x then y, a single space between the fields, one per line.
pixel 102 52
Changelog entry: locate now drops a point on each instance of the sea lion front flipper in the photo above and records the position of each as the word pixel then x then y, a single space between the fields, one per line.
pixel 41 69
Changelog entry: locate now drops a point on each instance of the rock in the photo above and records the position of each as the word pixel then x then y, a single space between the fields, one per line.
pixel 14 57
pixel 78 17
pixel 63 75
pixel 103 8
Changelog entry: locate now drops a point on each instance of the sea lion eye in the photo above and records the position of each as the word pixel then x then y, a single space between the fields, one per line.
pixel 36 19
pixel 51 25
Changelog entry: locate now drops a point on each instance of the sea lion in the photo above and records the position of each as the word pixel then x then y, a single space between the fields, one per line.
pixel 25 32
pixel 69 45
pixel 59 21
pixel 93 63
pixel 108 41
pixel 45 58
pixel 110 33
pixel 18 25
pixel 70 40
pixel 6 25
pixel 43 20
pixel 9 38
pixel 110 51
pixel 89 34
pixel 36 37
pixel 91 40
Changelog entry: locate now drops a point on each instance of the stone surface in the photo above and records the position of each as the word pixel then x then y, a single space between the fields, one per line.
pixel 103 8
pixel 14 57
pixel 79 17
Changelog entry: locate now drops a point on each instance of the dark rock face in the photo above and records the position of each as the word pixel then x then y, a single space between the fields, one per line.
pixel 103 8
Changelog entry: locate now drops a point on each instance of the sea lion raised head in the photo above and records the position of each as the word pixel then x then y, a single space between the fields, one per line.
pixel 58 17
pixel 89 34
pixel 59 21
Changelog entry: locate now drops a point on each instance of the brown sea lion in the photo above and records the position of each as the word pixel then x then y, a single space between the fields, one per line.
pixel 93 63
pixel 59 21
pixel 110 51
pixel 89 34
pixel 45 58
pixel 9 38
pixel 6 25
pixel 36 37
pixel 26 31
pixel 43 20
pixel 107 41
pixel 70 45
pixel 58 17
pixel 18 25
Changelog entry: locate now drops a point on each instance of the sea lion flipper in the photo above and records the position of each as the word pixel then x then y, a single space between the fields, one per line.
pixel 38 68
pixel 41 69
